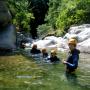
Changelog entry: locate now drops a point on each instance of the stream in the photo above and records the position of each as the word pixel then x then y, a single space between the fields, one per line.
pixel 53 76
pixel 57 79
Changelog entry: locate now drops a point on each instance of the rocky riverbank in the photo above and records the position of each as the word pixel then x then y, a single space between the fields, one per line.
pixel 81 33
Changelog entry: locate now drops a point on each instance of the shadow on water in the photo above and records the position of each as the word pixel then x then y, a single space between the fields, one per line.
pixel 56 79
pixel 73 81
pixel 72 78
pixel 5 52
pixel 8 52
pixel 77 81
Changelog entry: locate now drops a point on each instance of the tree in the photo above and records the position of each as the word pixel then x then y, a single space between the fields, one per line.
pixel 73 12
pixel 39 9
pixel 64 13
pixel 20 13
pixel 54 9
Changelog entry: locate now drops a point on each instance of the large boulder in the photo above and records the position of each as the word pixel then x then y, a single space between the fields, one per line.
pixel 68 36
pixel 7 30
pixel 84 46
pixel 44 43
pixel 5 16
pixel 8 37
pixel 77 29
pixel 52 42
pixel 81 33
pixel 84 35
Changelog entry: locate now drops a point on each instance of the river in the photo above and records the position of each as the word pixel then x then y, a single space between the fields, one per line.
pixel 53 76
pixel 57 79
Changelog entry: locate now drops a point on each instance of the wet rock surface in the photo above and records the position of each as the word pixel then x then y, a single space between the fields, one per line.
pixel 81 33
pixel 7 29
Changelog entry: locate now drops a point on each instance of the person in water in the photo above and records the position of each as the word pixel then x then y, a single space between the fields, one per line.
pixel 44 53
pixel 34 50
pixel 72 60
pixel 53 57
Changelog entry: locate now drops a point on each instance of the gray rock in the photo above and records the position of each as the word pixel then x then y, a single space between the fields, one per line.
pixel 81 33
pixel 8 37
pixel 78 29
pixel 5 16
pixel 84 46
pixel 84 35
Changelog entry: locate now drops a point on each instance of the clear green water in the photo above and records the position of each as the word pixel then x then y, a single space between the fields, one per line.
pixel 43 76
pixel 57 79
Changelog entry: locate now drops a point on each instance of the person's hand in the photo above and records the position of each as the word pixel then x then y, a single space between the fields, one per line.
pixel 64 62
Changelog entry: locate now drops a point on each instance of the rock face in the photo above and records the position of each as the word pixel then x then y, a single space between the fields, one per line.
pixel 81 33
pixel 84 46
pixel 5 16
pixel 7 30
pixel 52 42
pixel 8 37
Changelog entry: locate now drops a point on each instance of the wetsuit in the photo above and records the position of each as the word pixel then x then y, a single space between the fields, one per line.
pixel 35 51
pixel 72 60
pixel 45 55
pixel 54 59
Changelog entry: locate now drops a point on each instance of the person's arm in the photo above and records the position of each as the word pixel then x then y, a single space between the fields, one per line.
pixel 48 58
pixel 75 61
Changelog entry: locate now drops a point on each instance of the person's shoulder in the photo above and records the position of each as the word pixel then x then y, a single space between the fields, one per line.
pixel 57 58
pixel 38 51
pixel 77 51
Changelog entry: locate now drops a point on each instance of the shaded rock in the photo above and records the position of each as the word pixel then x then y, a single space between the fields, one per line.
pixel 8 37
pixel 7 30
pixel 5 16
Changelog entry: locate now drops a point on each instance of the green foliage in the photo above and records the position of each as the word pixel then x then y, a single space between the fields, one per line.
pixel 64 13
pixel 61 14
pixel 54 6
pixel 44 30
pixel 72 13
pixel 39 9
pixel 21 14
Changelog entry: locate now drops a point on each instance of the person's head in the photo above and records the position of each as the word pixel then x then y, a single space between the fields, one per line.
pixel 34 46
pixel 53 53
pixel 44 50
pixel 72 43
